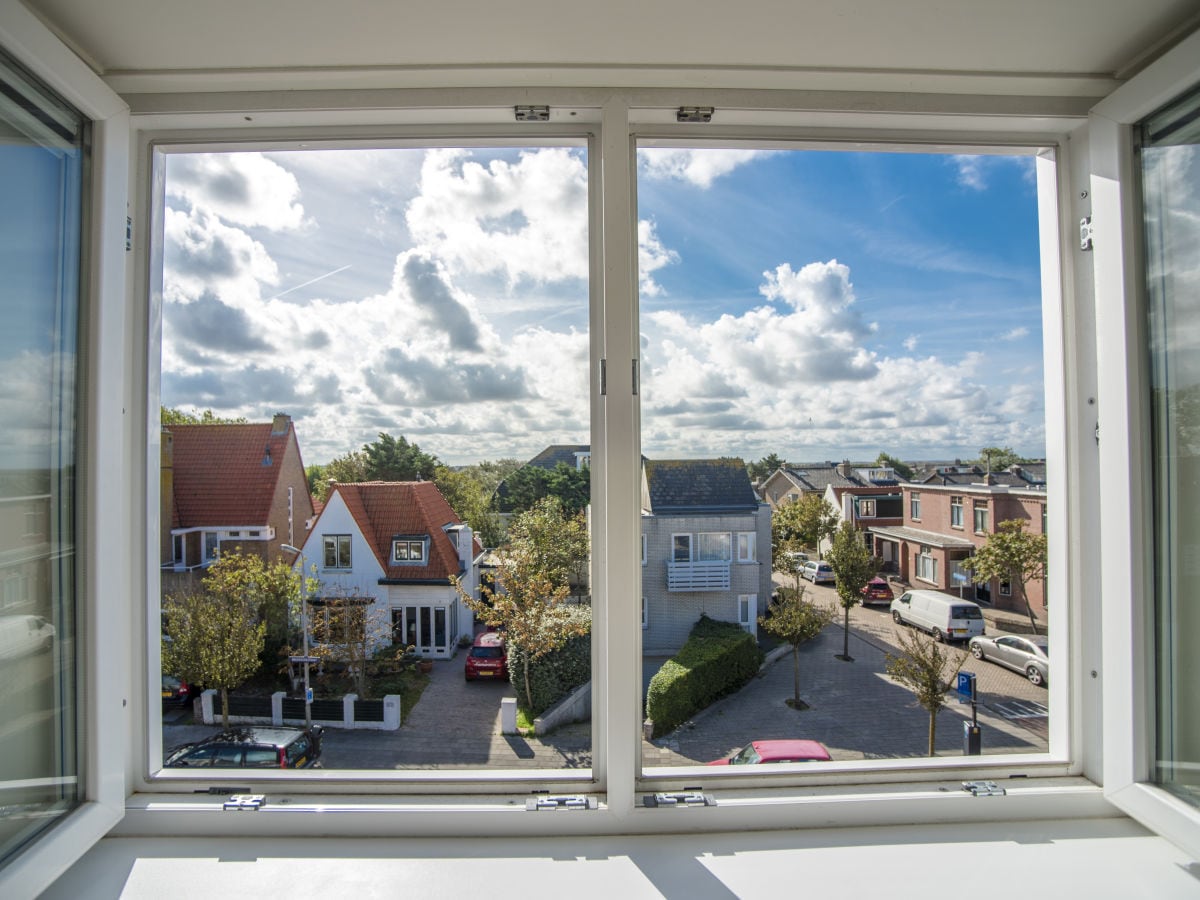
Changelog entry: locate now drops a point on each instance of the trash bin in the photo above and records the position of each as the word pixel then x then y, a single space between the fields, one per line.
pixel 971 742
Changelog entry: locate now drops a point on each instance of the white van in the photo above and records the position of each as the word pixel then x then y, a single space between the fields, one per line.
pixel 946 618
pixel 20 635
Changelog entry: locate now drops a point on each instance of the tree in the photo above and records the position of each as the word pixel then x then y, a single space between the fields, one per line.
pixel 395 459
pixel 795 620
pixel 471 500
pixel 529 484
pixel 212 640
pixel 853 566
pixel 348 469
pixel 271 592
pixel 997 459
pixel 928 668
pixel 344 631
pixel 801 523
pixel 555 541
pixel 172 416
pixel 1013 554
pixel 903 469
pixel 764 467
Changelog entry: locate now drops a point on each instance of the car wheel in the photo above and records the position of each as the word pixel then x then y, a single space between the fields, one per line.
pixel 938 636
pixel 896 617
pixel 977 651
pixel 1034 674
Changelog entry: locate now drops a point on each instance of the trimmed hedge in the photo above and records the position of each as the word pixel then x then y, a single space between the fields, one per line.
pixel 718 658
pixel 557 673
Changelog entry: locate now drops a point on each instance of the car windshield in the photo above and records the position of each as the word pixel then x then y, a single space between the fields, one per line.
pixel 487 652
pixel 966 612
pixel 747 756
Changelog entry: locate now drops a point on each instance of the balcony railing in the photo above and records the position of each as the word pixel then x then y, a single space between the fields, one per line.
pixel 698 576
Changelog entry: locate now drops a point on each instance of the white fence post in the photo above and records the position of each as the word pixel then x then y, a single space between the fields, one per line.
pixel 277 707
pixel 206 705
pixel 508 715
pixel 391 712
pixel 348 710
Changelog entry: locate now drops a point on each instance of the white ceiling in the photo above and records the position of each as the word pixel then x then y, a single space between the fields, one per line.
pixel 1051 40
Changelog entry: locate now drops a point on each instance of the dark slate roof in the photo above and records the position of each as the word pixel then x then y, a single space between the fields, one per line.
pixel 698 486
pixel 819 476
pixel 1031 475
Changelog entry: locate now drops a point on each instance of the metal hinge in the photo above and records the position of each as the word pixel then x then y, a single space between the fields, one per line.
pixel 1085 233
pixel 538 804
pixel 983 788
pixel 128 233
pixel 701 114
pixel 686 798
pixel 239 802
pixel 603 377
pixel 532 113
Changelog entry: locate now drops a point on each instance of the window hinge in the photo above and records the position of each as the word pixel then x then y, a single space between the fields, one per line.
pixel 239 802
pixel 128 234
pixel 532 113
pixel 635 378
pixel 1085 233
pixel 983 788
pixel 538 804
pixel 701 114
pixel 686 798
pixel 603 377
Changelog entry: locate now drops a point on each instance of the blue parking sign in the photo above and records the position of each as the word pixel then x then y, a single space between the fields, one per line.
pixel 966 686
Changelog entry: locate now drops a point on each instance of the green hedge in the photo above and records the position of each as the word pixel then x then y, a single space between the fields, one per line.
pixel 718 658
pixel 556 674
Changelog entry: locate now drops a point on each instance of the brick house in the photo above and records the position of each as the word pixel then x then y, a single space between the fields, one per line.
pixel 945 523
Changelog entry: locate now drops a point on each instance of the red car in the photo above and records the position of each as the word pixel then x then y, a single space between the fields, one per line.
pixel 487 658
pixel 784 751
pixel 877 591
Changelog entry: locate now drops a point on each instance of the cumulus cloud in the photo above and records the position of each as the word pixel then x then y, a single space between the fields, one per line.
pixel 652 256
pixel 203 254
pixel 910 343
pixel 1015 334
pixel 244 189
pixel 700 167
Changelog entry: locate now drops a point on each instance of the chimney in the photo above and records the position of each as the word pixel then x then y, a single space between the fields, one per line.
pixel 843 468
pixel 280 424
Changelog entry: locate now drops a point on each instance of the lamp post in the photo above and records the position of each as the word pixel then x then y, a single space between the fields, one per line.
pixel 304 629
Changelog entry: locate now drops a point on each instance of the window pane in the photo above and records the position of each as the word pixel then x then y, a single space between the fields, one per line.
pixel 413 325
pixel 1171 190
pixel 43 146
pixel 802 311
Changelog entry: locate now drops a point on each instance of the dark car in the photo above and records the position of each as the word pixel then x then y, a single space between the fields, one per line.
pixel 487 658
pixel 251 748
pixel 176 692
pixel 877 591
pixel 776 751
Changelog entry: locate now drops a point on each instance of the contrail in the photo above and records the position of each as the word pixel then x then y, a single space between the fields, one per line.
pixel 310 281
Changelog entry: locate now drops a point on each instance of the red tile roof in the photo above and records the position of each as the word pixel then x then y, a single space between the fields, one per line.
pixel 219 475
pixel 383 509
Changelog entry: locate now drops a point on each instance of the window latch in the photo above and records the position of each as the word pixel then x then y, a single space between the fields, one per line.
pixel 685 798
pixel 983 788
pixel 1086 233
pixel 699 114
pixel 538 804
pixel 240 802
pixel 532 113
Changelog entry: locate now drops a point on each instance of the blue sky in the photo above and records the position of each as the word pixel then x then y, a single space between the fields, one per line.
pixel 813 304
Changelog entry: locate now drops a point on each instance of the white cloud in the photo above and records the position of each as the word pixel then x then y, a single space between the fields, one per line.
pixel 652 256
pixel 1016 334
pixel 242 188
pixel 699 167
pixel 910 343
pixel 205 255
pixel 973 171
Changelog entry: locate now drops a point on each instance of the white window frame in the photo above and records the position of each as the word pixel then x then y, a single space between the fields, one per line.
pixel 339 565
pixel 1125 549
pixel 956 507
pixel 691 548
pixel 914 506
pixel 747 608
pixel 926 566
pixel 747 547
pixel 866 508
pixel 980 509
pixel 699 550
pixel 410 560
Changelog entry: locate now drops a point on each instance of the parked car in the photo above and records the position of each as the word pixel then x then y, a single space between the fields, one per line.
pixel 23 634
pixel 251 748
pixel 818 572
pixel 776 751
pixel 487 658
pixel 176 692
pixel 946 618
pixel 877 590
pixel 1024 653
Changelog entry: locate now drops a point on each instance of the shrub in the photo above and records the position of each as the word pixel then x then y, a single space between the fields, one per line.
pixel 559 672
pixel 718 658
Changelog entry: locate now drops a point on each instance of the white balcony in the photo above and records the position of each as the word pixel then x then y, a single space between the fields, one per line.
pixel 698 576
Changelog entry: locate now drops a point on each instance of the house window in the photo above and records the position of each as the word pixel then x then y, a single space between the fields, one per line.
pixel 746 547
pixel 1005 587
pixel 713 547
pixel 411 552
pixel 337 621
pixel 645 614
pixel 981 516
pixel 914 506
pixel 866 508
pixel 336 551
pixel 747 607
pixel 927 565
pixel 956 512
pixel 681 548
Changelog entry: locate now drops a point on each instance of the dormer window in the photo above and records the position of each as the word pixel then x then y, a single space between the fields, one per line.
pixel 409 551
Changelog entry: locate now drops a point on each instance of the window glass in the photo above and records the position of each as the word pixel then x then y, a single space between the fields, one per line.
pixel 1170 174
pixel 43 155
pixel 826 308
pixel 385 350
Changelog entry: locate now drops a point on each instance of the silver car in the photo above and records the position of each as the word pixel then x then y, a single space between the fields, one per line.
pixel 1024 653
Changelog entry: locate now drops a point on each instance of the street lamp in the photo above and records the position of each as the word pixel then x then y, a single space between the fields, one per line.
pixel 305 659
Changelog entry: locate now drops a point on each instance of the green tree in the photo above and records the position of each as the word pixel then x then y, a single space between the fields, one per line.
pixel 997 459
pixel 395 459
pixel 795 620
pixel 554 541
pixel 853 566
pixel 270 590
pixel 212 640
pixel 173 416
pixel 764 467
pixel 903 469
pixel 801 524
pixel 343 630
pixel 1014 554
pixel 471 500
pixel 529 484
pixel 928 668
pixel 348 469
